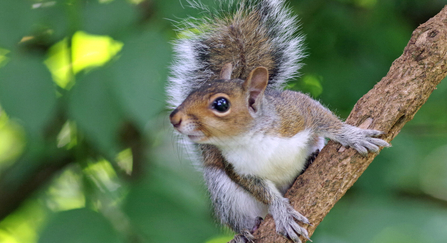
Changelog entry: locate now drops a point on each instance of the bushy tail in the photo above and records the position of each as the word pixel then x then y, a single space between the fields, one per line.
pixel 247 33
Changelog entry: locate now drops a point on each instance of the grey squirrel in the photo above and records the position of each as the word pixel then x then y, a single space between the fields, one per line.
pixel 252 137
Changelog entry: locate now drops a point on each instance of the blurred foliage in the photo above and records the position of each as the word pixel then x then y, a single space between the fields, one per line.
pixel 87 154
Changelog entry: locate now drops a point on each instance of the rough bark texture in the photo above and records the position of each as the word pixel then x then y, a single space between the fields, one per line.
pixel 387 107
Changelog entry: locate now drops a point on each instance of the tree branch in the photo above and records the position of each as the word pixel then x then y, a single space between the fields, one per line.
pixel 387 107
pixel 25 177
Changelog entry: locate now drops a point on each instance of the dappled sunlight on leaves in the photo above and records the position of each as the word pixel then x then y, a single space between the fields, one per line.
pixel 124 160
pixel 92 50
pixel 86 52
pixel 103 175
pixel 12 140
pixel 67 137
pixel 66 191
pixel 3 58
pixel 6 237
pixel 58 62
pixel 24 225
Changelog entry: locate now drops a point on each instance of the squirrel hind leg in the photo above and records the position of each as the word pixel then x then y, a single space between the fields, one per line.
pixel 233 206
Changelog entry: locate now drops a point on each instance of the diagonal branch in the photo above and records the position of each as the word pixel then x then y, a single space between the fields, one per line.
pixel 387 107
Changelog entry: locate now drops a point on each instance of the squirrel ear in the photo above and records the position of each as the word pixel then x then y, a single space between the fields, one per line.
pixel 226 71
pixel 255 84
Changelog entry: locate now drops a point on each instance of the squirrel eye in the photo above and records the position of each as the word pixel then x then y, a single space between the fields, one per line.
pixel 221 104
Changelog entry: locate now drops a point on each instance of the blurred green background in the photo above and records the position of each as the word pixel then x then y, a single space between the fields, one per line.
pixel 87 153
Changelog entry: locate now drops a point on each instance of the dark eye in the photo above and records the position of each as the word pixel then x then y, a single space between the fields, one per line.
pixel 221 104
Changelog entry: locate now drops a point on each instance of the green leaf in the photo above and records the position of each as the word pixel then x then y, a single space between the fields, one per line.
pixel 140 74
pixel 16 21
pixel 55 18
pixel 167 208
pixel 95 110
pixel 27 92
pixel 108 18
pixel 79 226
pixel 310 84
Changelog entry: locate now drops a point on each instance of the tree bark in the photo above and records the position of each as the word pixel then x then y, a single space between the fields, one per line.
pixel 387 107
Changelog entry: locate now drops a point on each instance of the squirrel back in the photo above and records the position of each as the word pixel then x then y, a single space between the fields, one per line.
pixel 247 33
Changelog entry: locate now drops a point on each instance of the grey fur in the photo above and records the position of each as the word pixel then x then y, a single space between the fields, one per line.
pixel 229 200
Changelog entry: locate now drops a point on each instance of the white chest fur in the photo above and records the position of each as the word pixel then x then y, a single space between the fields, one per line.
pixel 277 159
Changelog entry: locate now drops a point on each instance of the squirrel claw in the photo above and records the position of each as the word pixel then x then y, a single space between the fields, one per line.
pixel 286 218
pixel 258 222
pixel 362 140
pixel 245 237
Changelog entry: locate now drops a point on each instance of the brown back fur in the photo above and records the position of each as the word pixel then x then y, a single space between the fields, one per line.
pixel 242 41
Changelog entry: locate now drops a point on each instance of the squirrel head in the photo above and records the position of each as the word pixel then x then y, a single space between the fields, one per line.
pixel 223 108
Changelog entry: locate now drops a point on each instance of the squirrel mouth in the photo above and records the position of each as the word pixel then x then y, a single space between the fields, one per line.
pixel 196 138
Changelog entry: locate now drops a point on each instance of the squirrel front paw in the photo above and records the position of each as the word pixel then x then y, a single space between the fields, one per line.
pixel 285 216
pixel 362 140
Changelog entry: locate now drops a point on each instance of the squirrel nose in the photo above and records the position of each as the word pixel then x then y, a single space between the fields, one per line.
pixel 176 118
